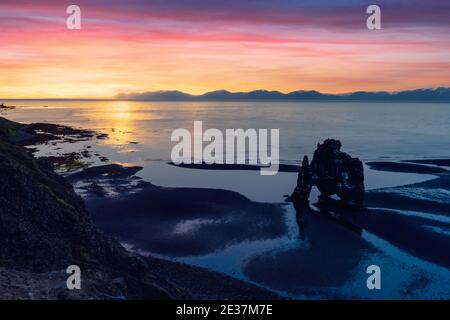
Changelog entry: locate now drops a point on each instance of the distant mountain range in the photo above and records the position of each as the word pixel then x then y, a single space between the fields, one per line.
pixel 431 94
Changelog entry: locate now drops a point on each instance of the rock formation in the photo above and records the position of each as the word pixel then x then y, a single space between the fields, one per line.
pixel 334 173
pixel 3 107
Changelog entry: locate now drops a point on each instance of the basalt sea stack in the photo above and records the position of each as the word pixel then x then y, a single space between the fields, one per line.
pixel 334 173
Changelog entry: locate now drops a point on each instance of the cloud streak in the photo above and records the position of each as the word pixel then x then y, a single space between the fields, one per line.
pixel 199 46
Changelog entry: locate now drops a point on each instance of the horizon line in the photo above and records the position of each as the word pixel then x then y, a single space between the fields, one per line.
pixel 117 98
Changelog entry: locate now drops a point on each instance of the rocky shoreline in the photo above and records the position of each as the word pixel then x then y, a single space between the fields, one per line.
pixel 45 227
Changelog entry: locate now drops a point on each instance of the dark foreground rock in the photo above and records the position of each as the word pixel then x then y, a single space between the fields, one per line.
pixel 6 107
pixel 36 133
pixel 44 228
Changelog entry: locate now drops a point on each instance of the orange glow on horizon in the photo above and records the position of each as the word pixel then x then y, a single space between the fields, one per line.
pixel 42 59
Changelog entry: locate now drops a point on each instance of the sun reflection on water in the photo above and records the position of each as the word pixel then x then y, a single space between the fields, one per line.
pixel 118 120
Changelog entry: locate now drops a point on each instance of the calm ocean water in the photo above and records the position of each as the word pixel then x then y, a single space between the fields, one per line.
pixel 367 130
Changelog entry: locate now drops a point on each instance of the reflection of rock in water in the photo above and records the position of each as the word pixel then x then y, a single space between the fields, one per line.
pixel 331 210
pixel 333 172
pixel 328 257
pixel 302 212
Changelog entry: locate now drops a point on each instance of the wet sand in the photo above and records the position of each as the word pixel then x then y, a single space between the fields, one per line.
pixel 405 167
pixel 244 167
pixel 439 162
pixel 186 222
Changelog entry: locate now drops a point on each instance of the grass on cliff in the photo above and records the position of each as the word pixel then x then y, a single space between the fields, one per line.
pixel 8 129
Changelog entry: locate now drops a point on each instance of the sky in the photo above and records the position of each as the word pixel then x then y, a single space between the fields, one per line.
pixel 198 46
